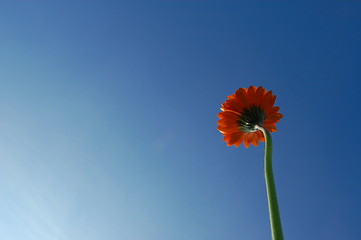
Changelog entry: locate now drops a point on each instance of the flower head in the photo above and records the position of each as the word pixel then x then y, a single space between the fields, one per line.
pixel 243 112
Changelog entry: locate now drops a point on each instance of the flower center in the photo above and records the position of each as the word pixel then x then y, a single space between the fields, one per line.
pixel 250 118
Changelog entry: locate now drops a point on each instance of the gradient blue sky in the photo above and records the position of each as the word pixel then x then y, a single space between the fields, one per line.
pixel 109 115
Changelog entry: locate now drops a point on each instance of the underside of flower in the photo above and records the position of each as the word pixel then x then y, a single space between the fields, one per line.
pixel 244 111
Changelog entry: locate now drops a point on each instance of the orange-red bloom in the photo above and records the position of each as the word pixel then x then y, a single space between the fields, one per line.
pixel 243 112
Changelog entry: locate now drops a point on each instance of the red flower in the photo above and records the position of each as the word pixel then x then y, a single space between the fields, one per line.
pixel 243 112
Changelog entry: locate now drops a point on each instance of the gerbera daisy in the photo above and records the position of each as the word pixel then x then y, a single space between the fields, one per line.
pixel 244 112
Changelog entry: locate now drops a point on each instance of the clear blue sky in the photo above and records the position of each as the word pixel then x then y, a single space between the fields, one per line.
pixel 108 117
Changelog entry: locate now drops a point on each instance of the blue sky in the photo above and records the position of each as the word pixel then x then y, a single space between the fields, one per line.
pixel 109 115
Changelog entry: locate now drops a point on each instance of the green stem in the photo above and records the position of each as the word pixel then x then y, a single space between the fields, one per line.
pixel 274 213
